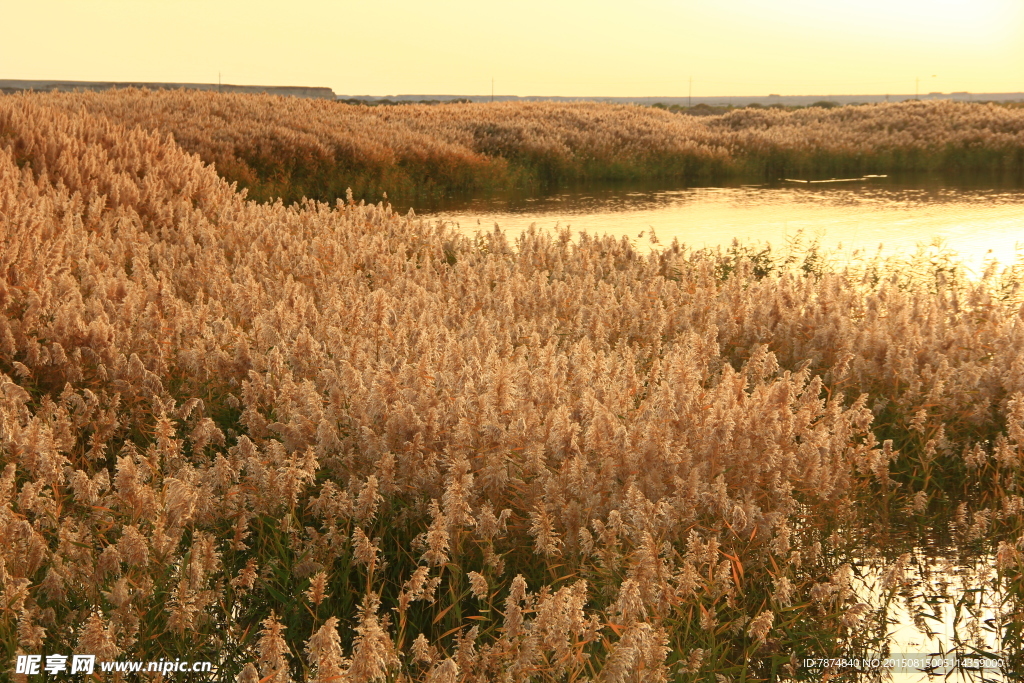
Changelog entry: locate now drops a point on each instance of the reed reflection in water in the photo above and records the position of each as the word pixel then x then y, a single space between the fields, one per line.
pixel 938 602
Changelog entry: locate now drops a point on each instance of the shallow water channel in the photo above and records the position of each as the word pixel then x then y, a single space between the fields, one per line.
pixel 979 222
pixel 937 612
pixel 941 601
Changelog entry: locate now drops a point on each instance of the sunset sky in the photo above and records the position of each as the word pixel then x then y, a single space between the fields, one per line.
pixel 529 47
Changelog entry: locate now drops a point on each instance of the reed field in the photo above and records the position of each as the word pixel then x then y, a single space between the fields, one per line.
pixel 294 148
pixel 329 442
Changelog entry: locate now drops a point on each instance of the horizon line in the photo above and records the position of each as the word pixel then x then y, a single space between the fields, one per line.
pixel 51 84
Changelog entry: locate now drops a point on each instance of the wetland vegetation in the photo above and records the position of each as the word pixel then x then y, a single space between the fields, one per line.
pixel 293 148
pixel 326 441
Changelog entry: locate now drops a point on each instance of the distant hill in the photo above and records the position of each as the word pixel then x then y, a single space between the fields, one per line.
pixel 12 86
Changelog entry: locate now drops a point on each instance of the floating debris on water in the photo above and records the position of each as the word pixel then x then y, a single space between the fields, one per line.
pixel 836 180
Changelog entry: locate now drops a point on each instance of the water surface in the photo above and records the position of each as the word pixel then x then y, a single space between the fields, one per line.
pixel 943 604
pixel 979 222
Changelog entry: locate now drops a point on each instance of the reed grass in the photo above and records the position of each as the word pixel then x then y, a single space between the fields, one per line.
pixel 293 148
pixel 330 442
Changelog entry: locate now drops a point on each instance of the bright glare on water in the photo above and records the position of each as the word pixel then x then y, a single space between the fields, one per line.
pixel 978 223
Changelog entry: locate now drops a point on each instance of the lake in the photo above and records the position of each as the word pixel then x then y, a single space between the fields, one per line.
pixel 980 222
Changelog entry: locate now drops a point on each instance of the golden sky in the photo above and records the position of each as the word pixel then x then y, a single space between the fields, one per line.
pixel 529 47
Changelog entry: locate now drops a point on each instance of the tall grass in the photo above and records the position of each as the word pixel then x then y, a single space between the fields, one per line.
pixel 293 148
pixel 329 442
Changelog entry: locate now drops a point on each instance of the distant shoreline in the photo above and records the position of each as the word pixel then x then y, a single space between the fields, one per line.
pixel 15 85
pixel 732 100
